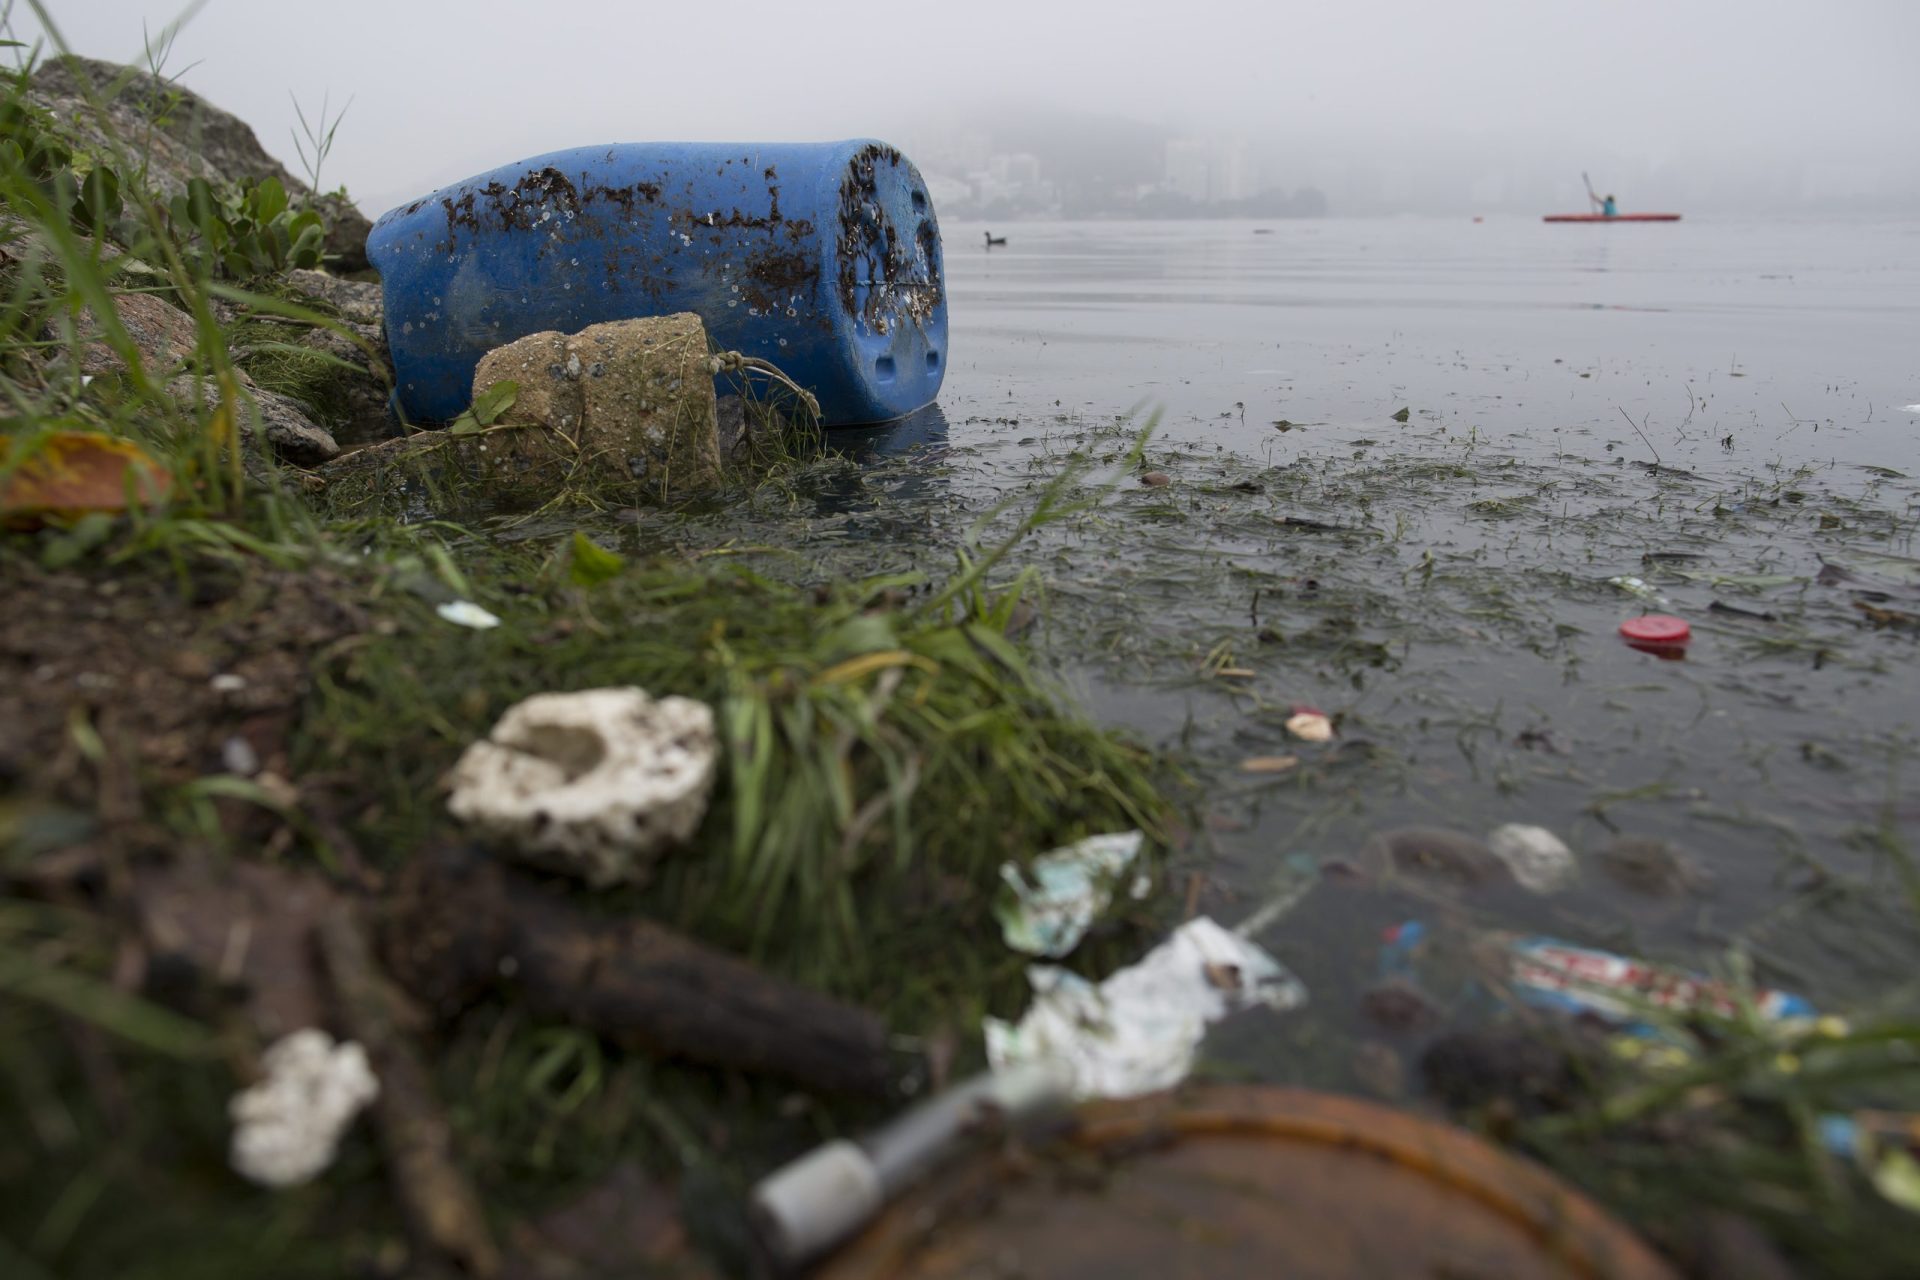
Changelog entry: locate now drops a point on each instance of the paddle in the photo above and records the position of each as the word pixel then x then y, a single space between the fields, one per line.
pixel 1592 198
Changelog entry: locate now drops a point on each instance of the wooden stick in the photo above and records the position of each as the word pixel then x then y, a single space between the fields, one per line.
pixel 440 1206
pixel 461 929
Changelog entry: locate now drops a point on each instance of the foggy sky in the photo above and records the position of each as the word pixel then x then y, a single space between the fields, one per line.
pixel 1791 98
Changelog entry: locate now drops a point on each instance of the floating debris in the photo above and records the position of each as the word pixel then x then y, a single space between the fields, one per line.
pixel 1637 587
pixel 1556 975
pixel 1048 908
pixel 1137 1032
pixel 1310 725
pixel 1539 859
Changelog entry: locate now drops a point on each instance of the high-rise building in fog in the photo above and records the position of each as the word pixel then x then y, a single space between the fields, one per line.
pixel 1209 170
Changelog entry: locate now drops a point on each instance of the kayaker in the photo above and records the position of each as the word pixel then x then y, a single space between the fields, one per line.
pixel 1608 208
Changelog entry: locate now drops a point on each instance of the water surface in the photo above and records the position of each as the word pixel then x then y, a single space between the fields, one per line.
pixel 1714 409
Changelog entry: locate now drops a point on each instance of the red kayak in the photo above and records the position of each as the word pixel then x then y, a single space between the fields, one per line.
pixel 1618 217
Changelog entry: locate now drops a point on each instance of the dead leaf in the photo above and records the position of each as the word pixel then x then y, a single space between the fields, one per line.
pixel 1269 764
pixel 1895 618
pixel 76 473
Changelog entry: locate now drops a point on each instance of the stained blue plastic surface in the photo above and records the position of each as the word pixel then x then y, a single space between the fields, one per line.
pixel 823 258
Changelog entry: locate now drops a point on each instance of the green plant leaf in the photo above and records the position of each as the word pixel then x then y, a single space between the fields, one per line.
pixel 494 401
pixel 269 199
pixel 99 203
pixel 592 564
pixel 308 246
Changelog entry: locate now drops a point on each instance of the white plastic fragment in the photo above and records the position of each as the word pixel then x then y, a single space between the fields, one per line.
pixel 288 1126
pixel 465 613
pixel 595 783
pixel 1048 914
pixel 1639 588
pixel 1137 1032
pixel 1539 859
pixel 1310 726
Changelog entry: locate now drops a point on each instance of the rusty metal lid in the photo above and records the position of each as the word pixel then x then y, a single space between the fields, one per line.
pixel 1212 1181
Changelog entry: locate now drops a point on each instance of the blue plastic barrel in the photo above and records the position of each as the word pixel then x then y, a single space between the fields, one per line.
pixel 823 258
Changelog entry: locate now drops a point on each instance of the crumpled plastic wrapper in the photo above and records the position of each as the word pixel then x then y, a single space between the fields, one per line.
pixel 1137 1032
pixel 1048 908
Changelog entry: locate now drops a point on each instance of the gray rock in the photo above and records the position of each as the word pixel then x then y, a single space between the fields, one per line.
pixel 165 339
pixel 284 424
pixel 730 417
pixel 193 139
pixel 1434 852
pixel 358 301
pixel 164 335
pixel 362 411
pixel 281 423
pixel 1654 867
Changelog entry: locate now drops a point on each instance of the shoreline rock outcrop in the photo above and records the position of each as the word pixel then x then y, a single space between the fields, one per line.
pixel 185 137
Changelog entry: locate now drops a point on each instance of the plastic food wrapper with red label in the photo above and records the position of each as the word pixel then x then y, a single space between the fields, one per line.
pixel 1546 973
pixel 1550 974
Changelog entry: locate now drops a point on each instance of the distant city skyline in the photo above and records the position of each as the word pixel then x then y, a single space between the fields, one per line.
pixel 1035 163
pixel 1379 106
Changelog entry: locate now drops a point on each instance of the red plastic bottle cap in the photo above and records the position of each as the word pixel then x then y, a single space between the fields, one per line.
pixel 1656 628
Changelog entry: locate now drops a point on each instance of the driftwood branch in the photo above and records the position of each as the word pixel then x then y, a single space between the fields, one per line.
pixel 463 928
pixel 440 1206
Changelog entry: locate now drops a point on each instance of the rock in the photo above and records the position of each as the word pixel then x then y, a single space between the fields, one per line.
pixel 596 783
pixel 1653 867
pixel 1433 851
pixel 166 339
pixel 283 422
pixel 1398 1005
pixel 184 136
pixel 165 335
pixel 622 401
pixel 1538 859
pixel 276 419
pixel 360 395
pixel 1468 1070
pixel 730 419
pixel 358 301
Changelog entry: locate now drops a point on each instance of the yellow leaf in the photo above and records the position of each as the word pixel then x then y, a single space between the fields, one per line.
pixel 76 473
pixel 868 663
